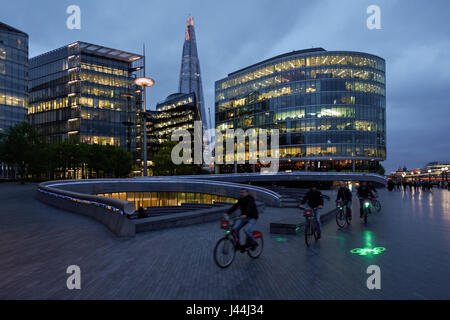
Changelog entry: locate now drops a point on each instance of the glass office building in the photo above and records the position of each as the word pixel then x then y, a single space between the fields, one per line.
pixel 86 92
pixel 13 82
pixel 179 111
pixel 329 108
pixel 190 76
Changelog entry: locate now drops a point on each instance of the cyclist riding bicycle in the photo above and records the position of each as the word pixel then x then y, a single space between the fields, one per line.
pixel 345 195
pixel 248 218
pixel 373 189
pixel 364 193
pixel 315 202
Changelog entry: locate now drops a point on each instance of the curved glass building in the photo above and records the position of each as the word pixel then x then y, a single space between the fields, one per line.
pixel 329 108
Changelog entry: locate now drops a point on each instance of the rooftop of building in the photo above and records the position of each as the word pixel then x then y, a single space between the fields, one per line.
pixel 99 51
pixel 4 26
pixel 284 55
pixel 294 53
pixel 175 97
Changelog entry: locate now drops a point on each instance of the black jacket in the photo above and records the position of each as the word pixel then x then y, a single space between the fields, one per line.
pixel 248 207
pixel 364 192
pixel 344 194
pixel 314 199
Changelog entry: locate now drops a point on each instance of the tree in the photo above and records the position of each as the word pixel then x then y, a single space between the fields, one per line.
pixel 123 163
pixel 23 147
pixel 163 164
pixel 108 160
pixel 381 171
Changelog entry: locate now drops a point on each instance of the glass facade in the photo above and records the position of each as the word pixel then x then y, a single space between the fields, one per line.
pixel 329 108
pixel 157 199
pixel 13 81
pixel 87 93
pixel 190 77
pixel 177 112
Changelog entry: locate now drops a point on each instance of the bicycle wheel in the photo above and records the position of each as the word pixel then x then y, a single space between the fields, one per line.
pixel 224 252
pixel 348 218
pixel 340 218
pixel 315 231
pixel 308 233
pixel 258 250
pixel 377 205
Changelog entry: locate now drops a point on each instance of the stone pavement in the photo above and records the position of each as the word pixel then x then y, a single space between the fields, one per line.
pixel 38 243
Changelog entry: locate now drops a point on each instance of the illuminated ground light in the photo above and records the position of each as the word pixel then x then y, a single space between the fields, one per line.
pixel 281 239
pixel 368 251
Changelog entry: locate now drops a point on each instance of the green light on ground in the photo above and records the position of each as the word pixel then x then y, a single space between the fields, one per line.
pixel 368 251
pixel 368 238
pixel 281 239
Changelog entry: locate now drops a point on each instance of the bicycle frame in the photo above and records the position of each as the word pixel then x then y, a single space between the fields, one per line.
pixel 228 227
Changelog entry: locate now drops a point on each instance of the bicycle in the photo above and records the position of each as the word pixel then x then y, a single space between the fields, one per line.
pixel 342 216
pixel 226 247
pixel 311 226
pixel 367 206
pixel 376 204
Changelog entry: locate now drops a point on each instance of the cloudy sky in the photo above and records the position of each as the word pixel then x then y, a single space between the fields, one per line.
pixel 414 40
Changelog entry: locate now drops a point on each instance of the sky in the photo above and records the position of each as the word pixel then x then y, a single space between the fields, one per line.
pixel 414 39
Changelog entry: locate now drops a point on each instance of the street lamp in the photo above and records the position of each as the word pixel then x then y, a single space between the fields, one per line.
pixel 144 83
pixel 429 176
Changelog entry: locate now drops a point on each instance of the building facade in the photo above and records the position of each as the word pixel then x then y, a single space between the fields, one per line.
pixel 179 111
pixel 86 93
pixel 13 82
pixel 190 77
pixel 329 108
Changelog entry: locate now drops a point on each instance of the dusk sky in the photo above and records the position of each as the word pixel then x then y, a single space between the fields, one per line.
pixel 414 40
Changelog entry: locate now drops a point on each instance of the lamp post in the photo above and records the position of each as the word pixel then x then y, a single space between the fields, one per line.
pixel 144 83
pixel 429 176
pixel 444 174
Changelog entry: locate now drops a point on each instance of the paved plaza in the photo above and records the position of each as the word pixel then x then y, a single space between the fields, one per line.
pixel 39 242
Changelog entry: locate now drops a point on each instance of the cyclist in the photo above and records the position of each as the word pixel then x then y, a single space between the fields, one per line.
pixel 372 188
pixel 345 195
pixel 249 215
pixel 315 202
pixel 364 192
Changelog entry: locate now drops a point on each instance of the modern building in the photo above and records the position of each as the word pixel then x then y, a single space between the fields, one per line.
pixel 329 108
pixel 190 77
pixel 178 111
pixel 13 82
pixel 86 92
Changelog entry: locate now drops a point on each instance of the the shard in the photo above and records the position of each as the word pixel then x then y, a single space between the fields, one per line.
pixel 190 78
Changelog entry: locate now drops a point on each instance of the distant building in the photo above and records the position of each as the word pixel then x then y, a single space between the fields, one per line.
pixel 329 108
pixel 190 77
pixel 434 171
pixel 13 82
pixel 178 111
pixel 86 92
